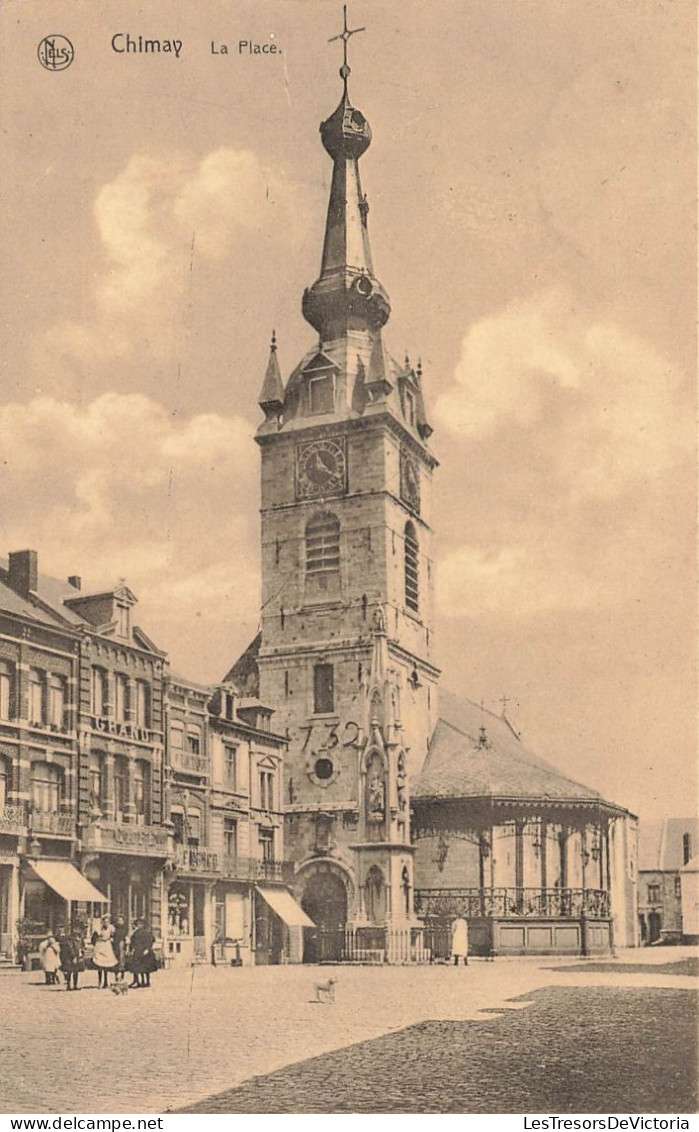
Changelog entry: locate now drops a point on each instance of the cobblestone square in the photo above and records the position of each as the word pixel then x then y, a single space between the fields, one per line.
pixel 200 1032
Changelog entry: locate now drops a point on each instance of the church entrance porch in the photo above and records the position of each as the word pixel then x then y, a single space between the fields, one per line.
pixel 324 900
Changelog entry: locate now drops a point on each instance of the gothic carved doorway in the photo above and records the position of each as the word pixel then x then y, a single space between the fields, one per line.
pixel 324 899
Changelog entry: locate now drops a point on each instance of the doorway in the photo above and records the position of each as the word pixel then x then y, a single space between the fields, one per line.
pixel 325 901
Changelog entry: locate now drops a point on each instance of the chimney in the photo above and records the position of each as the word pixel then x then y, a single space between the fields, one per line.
pixel 23 571
pixel 75 581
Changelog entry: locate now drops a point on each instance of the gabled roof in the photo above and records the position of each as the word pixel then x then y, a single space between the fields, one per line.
pixel 459 766
pixel 661 843
pixel 30 608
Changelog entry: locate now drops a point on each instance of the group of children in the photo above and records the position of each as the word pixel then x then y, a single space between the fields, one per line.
pixel 112 950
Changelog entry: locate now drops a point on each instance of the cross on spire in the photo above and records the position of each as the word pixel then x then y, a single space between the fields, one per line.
pixel 345 35
pixel 504 700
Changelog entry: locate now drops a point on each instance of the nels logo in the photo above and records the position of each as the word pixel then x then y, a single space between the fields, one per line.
pixel 55 52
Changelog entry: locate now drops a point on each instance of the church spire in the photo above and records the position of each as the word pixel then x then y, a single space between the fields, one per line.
pixel 347 295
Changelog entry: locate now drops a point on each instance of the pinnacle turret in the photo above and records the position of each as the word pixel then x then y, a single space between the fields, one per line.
pixel 272 395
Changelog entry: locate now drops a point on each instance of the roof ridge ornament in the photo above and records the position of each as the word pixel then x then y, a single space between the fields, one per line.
pixel 345 35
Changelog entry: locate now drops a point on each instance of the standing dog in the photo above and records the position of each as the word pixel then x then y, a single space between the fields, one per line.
pixel 325 992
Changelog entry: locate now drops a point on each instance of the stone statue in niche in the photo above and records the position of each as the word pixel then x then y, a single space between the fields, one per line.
pixel 401 779
pixel 377 798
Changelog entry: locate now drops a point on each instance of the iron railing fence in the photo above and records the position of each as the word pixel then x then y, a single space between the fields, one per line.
pixel 504 903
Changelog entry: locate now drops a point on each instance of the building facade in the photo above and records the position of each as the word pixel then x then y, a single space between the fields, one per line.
pixel 666 847
pixel 223 793
pixel 125 788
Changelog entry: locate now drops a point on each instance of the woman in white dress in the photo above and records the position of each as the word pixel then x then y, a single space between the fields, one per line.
pixel 459 940
pixel 103 957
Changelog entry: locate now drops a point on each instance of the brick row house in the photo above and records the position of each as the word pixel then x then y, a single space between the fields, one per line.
pixel 224 796
pixel 124 787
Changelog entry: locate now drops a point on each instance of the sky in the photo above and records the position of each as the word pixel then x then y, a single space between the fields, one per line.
pixel 532 188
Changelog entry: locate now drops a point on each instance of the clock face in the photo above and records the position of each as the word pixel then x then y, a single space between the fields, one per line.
pixel 410 482
pixel 321 469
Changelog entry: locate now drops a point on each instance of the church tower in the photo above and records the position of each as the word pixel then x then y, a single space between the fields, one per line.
pixel 346 649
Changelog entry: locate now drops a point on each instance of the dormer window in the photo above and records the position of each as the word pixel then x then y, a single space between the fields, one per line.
pixel 321 393
pixel 410 406
pixel 123 620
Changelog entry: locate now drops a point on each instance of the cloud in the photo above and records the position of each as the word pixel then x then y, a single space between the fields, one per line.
pixel 606 406
pixel 574 436
pixel 123 488
pixel 165 222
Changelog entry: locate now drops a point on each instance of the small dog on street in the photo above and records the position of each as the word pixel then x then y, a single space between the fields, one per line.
pixel 119 988
pixel 325 992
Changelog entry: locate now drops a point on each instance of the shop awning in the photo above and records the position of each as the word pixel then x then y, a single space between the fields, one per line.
pixel 282 902
pixel 65 879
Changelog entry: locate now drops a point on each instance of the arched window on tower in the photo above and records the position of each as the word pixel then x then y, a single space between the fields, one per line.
pixel 411 549
pixel 323 556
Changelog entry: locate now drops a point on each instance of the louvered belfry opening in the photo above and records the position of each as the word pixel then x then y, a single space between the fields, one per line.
pixel 412 590
pixel 323 544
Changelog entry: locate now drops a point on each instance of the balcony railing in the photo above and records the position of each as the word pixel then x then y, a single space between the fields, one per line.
pixel 57 825
pixel 189 763
pixel 504 903
pixel 191 859
pixel 138 840
pixel 250 868
pixel 13 818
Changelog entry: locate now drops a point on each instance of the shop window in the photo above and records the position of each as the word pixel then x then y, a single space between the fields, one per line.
pixel 323 544
pixel 412 592
pixel 178 910
pixel 57 702
pixel 36 696
pixel 323 689
pixel 219 917
pixel 141 787
pixel 7 689
pixel 265 840
pixel 121 788
pixel 143 714
pixel 230 837
pixel 121 697
pixel 230 771
pixel 99 692
pixel 46 787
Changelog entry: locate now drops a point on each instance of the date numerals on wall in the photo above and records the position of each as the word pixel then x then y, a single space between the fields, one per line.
pixel 329 735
